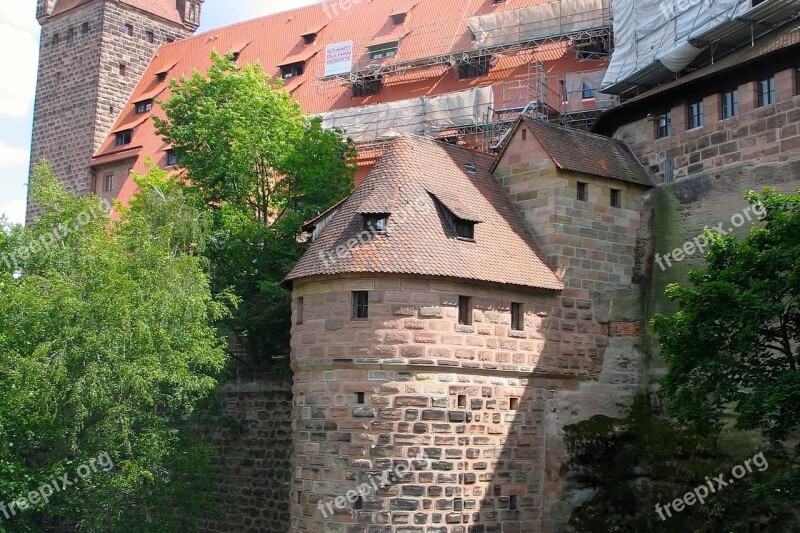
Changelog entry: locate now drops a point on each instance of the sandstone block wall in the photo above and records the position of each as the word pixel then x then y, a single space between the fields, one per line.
pixel 460 409
pixel 252 439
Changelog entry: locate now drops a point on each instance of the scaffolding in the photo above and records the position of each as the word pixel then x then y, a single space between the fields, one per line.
pixel 584 24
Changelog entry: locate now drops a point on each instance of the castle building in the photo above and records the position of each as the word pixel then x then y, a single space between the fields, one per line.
pixel 91 56
pixel 433 339
pixel 490 278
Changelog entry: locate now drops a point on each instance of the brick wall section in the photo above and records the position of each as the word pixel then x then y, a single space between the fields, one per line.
pixel 757 136
pixel 252 463
pixel 413 361
pixel 80 91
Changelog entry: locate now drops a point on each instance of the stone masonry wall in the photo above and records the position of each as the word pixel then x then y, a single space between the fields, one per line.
pixel 460 409
pixel 80 90
pixel 252 439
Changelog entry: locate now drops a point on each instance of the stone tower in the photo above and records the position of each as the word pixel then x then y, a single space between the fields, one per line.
pixel 92 54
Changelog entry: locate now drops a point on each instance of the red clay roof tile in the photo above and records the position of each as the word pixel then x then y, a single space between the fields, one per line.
pixel 419 240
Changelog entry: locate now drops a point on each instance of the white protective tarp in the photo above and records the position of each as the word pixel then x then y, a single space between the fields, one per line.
pixel 647 31
pixel 415 115
pixel 539 21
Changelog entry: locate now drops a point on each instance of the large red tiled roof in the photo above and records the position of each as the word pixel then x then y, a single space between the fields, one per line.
pixel 588 153
pixel 431 27
pixel 419 239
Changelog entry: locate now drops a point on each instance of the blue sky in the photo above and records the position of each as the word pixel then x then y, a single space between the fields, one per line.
pixel 19 38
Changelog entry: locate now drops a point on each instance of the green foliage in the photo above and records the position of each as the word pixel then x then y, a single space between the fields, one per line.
pixel 734 340
pixel 259 168
pixel 105 346
pixel 634 463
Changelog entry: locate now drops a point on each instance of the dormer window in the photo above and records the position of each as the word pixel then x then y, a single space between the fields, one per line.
pixel 292 70
pixel 367 86
pixel 398 18
pixel 161 76
pixel 465 229
pixel 172 158
pixel 121 138
pixel 384 50
pixel 144 106
pixel 376 223
pixel 309 38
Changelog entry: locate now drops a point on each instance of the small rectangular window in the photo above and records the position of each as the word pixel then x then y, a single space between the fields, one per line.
pixel 70 35
pixel 616 198
pixel 122 70
pixel 54 40
pixel 461 401
pixel 513 404
pixel 85 28
pixel 766 91
pixel 513 503
pixel 474 67
pixel 122 138
pixel 465 229
pixel 730 103
pixel 664 125
pixel 583 192
pixel 465 310
pixel 588 92
pixel 172 158
pixel 360 397
pixel 128 30
pixel 669 170
pixel 150 36
pixel 293 70
pixel 696 114
pixel 359 503
pixel 360 304
pixel 108 183
pixel 299 311
pixel 516 317
pixel 375 223
pixel 144 106
pixel 382 51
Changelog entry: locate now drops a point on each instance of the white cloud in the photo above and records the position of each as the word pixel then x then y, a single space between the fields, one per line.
pixel 19 33
pixel 11 156
pixel 14 211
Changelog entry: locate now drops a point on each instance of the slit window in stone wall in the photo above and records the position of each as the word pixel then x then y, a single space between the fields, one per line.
pixel 360 304
pixel 583 192
pixel 85 28
pixel 359 503
pixel 513 503
pixel 616 198
pixel 150 37
pixel 516 317
pixel 664 125
pixel 360 397
pixel 461 401
pixel 108 183
pixel 299 311
pixel 128 30
pixel 513 404
pixel 122 70
pixel 465 310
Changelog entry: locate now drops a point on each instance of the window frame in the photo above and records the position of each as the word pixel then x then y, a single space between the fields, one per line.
pixel 128 30
pixel 464 310
pixel 616 198
pixel 766 90
pixel 582 191
pixel 172 158
pixel 383 51
pixel 150 36
pixel 376 223
pixel 730 103
pixel 587 90
pixel 360 305
pixel 664 125
pixel 696 114
pixel 122 138
pixel 517 317
pixel 108 183
pixel 143 106
pixel 299 311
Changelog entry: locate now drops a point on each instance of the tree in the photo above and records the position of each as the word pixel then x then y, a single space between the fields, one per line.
pixel 260 168
pixel 106 347
pixel 734 340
